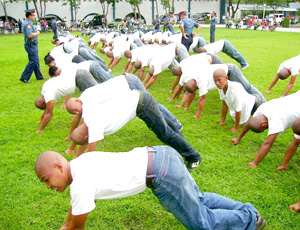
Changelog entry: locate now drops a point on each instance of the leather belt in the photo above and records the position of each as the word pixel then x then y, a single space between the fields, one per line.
pixel 149 167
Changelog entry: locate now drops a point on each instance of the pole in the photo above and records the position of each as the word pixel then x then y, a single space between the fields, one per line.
pixel 153 8
pixel 26 5
pixel 189 9
pixel 264 11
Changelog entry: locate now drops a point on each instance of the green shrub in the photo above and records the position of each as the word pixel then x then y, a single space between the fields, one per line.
pixel 207 21
pixel 286 22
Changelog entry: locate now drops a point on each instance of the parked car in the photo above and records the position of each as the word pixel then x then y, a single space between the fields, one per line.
pixel 200 17
pixel 116 23
pixel 94 21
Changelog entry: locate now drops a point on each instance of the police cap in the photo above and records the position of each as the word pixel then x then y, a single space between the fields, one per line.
pixel 30 11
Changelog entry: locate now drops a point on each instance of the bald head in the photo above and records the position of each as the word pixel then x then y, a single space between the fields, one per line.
pixel 102 40
pixel 80 135
pixel 74 106
pixel 202 50
pixel 54 170
pixel 138 64
pixel 190 86
pixel 40 102
pixel 176 71
pixel 46 161
pixel 296 126
pixel 284 73
pixel 102 50
pixel 220 73
pixel 109 54
pixel 127 54
pixel 258 124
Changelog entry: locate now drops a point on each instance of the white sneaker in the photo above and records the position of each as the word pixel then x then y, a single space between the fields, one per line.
pixel 245 66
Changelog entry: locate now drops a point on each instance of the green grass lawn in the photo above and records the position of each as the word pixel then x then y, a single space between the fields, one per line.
pixel 25 203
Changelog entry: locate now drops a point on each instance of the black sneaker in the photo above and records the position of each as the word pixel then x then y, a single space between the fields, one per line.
pixel 260 222
pixel 40 79
pixel 24 80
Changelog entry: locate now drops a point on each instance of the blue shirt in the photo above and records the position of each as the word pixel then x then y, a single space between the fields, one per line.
pixel 53 24
pixel 213 21
pixel 28 29
pixel 189 25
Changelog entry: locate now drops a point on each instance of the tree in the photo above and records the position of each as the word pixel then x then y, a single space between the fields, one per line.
pixel 135 6
pixel 74 5
pixel 3 4
pixel 105 5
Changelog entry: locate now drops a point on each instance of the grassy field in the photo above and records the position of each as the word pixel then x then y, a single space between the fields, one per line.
pixel 25 203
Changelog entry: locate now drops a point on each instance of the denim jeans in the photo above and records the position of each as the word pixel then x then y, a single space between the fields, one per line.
pixel 98 73
pixel 84 80
pixel 233 53
pixel 216 59
pixel 171 28
pixel 147 110
pixel 138 42
pixel 91 57
pixel 235 74
pixel 179 194
pixel 135 83
pixel 201 43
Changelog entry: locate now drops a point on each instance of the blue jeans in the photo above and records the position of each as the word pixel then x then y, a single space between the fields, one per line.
pixel 148 111
pixel 171 28
pixel 84 80
pixel 233 53
pixel 98 73
pixel 90 56
pixel 33 64
pixel 235 74
pixel 201 42
pixel 179 194
pixel 135 83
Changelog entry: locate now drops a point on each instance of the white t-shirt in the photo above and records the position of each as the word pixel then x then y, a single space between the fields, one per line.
pixel 103 175
pixel 191 65
pixel 146 57
pixel 238 100
pixel 280 112
pixel 214 48
pixel 120 47
pixel 175 38
pixel 107 107
pixel 293 65
pixel 203 77
pixel 163 58
pixel 58 87
pixel 61 57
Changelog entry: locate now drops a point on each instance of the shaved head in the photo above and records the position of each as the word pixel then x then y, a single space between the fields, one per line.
pixel 202 50
pixel 40 102
pixel 109 54
pixel 284 73
pixel 190 86
pixel 74 106
pixel 220 73
pixel 80 134
pixel 138 64
pixel 102 50
pixel 176 71
pixel 127 54
pixel 258 124
pixel 296 126
pixel 46 160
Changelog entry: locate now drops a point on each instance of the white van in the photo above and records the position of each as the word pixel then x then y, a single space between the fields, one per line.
pixel 279 17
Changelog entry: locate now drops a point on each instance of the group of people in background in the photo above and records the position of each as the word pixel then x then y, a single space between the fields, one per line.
pixel 108 102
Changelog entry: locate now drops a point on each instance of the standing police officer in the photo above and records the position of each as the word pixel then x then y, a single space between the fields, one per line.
pixel 54 27
pixel 31 41
pixel 186 27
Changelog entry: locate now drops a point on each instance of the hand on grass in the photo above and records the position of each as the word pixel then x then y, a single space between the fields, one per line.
pixel 170 99
pixel 234 129
pixel 295 207
pixel 177 106
pixel 268 91
pixel 186 108
pixel 221 123
pixel 234 141
pixel 39 131
pixel 69 151
pixel 68 138
pixel 196 116
pixel 252 164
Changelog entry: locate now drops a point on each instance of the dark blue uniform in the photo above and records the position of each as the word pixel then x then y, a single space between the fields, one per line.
pixel 54 28
pixel 31 48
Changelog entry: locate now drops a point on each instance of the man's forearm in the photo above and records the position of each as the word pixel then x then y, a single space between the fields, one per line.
pixel 46 119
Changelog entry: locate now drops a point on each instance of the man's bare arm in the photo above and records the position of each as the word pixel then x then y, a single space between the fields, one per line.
pixel 47 116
